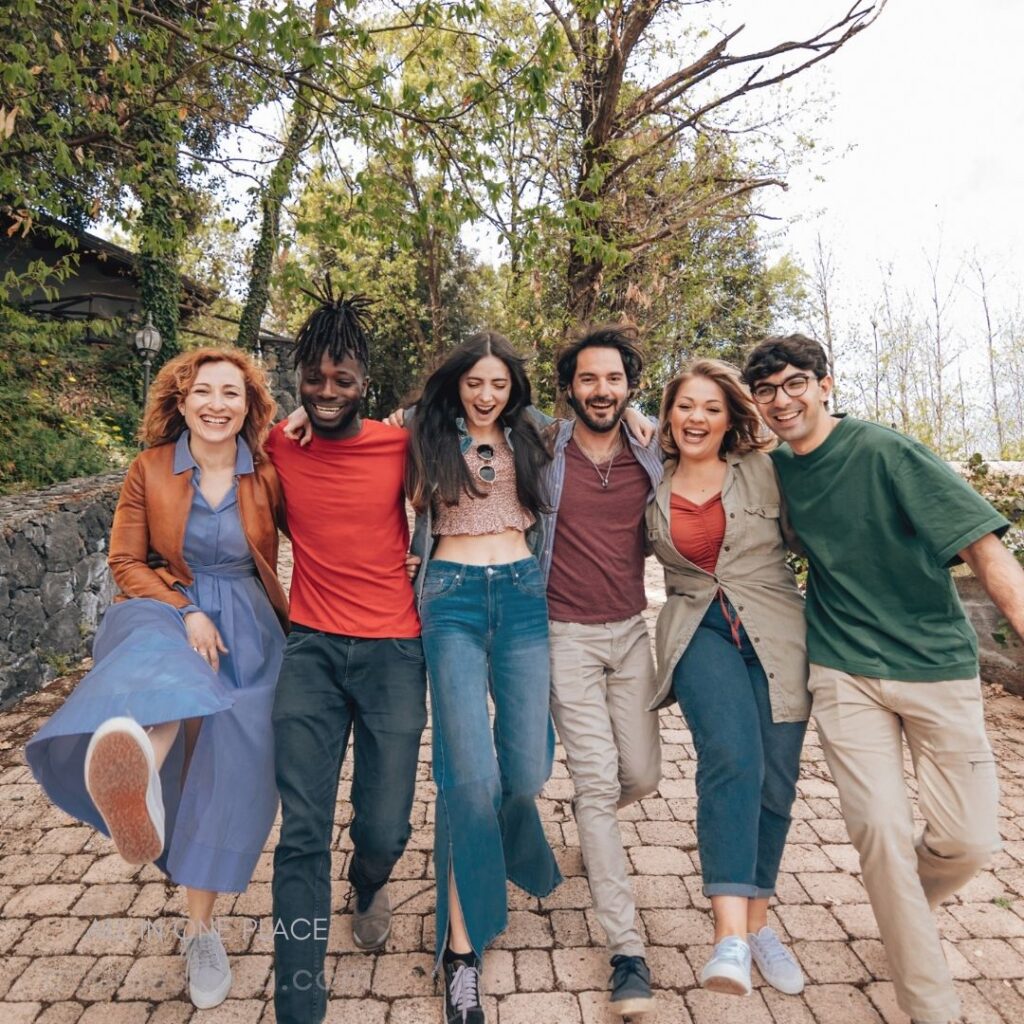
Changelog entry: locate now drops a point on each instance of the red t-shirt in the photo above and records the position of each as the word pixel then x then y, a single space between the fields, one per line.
pixel 346 515
pixel 597 563
pixel 698 530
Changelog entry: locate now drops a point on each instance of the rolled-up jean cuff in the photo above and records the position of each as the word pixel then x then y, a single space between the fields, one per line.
pixel 751 892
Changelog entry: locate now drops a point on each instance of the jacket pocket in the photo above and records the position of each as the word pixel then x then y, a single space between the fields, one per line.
pixel 765 511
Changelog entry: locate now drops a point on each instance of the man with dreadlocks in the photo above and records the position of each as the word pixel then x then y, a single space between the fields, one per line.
pixel 353 661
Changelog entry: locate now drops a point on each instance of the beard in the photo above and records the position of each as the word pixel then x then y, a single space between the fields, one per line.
pixel 598 426
pixel 335 429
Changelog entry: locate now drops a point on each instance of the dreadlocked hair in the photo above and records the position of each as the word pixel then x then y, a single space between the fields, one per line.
pixel 337 327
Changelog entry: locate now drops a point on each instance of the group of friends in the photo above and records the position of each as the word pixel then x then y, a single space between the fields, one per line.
pixel 213 694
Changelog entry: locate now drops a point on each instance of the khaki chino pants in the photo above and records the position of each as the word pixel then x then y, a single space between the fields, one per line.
pixel 861 722
pixel 602 681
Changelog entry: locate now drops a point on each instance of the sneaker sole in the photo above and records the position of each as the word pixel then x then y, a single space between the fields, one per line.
pixel 635 1004
pixel 208 1000
pixel 725 986
pixel 117 781
pixel 369 947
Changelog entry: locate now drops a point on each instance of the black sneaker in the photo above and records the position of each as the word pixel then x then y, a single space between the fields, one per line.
pixel 631 985
pixel 462 992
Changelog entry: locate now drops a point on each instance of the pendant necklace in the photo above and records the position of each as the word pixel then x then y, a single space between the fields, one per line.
pixel 606 475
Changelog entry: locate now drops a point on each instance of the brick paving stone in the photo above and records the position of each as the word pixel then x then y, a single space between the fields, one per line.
pixel 539 1008
pixel 20 1013
pixel 883 999
pixel 533 971
pixel 69 839
pixel 174 1012
pixel 353 974
pixel 10 932
pixel 714 1008
pixel 11 968
pixel 104 978
pixel 810 922
pixel 976 1009
pixel 651 891
pixel 526 930
pixel 28 868
pixel 677 927
pixel 830 962
pixel 834 1003
pixel 403 974
pixel 786 1009
pixel 669 1008
pixel 117 1013
pixel 61 1013
pixel 857 919
pixel 871 954
pixel 42 900
pixel 156 978
pixel 50 978
pixel 988 921
pixel 579 969
pixel 994 958
pixel 51 935
pixel 239 1011
pixel 660 860
pixel 1004 997
pixel 832 887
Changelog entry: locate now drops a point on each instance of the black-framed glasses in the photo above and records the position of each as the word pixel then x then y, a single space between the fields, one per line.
pixel 764 393
pixel 486 472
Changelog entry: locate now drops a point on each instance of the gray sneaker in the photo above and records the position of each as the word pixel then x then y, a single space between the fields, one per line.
pixel 777 965
pixel 728 970
pixel 372 926
pixel 207 970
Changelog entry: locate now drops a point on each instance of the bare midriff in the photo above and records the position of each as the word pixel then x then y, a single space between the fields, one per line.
pixel 483 549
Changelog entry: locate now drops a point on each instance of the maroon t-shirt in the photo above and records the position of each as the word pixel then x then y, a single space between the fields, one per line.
pixel 597 565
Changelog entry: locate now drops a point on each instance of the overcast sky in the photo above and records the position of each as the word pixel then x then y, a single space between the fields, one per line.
pixel 926 127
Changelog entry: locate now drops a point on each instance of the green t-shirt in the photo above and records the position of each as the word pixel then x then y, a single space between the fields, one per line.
pixel 882 518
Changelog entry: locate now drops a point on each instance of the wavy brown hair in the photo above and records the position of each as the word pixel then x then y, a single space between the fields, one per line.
pixel 746 432
pixel 162 423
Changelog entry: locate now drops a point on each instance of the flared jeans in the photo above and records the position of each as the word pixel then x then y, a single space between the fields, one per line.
pixel 485 633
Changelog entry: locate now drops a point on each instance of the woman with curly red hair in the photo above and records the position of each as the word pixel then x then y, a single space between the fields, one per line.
pixel 166 745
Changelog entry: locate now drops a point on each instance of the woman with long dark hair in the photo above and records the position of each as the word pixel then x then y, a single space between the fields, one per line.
pixel 473 475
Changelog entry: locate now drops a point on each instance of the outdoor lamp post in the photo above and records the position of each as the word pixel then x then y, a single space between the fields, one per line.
pixel 147 344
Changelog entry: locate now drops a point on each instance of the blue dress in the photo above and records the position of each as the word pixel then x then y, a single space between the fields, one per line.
pixel 219 815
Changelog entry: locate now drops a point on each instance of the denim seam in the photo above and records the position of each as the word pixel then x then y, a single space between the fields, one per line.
pixel 753 892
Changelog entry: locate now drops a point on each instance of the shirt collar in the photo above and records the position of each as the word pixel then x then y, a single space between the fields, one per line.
pixel 184 460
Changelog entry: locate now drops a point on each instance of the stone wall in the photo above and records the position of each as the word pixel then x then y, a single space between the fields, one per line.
pixel 999 649
pixel 54 580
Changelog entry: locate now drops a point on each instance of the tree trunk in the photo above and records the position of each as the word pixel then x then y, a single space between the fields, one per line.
pixel 278 186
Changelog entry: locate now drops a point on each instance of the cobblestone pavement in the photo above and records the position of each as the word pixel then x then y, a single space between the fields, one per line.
pixel 84 938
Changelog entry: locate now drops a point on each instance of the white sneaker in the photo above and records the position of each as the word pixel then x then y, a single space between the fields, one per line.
pixel 777 965
pixel 728 970
pixel 121 778
pixel 207 970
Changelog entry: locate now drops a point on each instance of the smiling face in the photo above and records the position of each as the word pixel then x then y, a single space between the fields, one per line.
pixel 216 405
pixel 330 393
pixel 484 391
pixel 600 388
pixel 699 418
pixel 801 420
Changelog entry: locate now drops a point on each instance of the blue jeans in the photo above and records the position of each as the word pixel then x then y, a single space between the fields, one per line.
pixel 747 765
pixel 331 686
pixel 485 630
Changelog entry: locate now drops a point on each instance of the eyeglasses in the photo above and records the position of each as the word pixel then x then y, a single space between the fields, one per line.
pixel 764 393
pixel 486 473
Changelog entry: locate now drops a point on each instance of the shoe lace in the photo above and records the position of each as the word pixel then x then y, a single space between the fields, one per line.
pixel 731 949
pixel 773 950
pixel 200 952
pixel 626 965
pixel 464 989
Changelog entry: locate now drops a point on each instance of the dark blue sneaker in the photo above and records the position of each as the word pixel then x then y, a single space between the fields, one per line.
pixel 631 985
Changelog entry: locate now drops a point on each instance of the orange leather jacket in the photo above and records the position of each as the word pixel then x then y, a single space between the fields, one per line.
pixel 152 514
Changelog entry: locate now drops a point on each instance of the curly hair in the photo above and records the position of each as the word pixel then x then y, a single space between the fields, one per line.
pixel 745 433
pixel 624 338
pixel 162 422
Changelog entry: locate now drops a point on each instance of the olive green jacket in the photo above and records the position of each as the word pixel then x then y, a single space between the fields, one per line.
pixel 753 574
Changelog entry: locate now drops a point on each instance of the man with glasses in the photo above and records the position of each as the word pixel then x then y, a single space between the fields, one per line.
pixel 892 654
